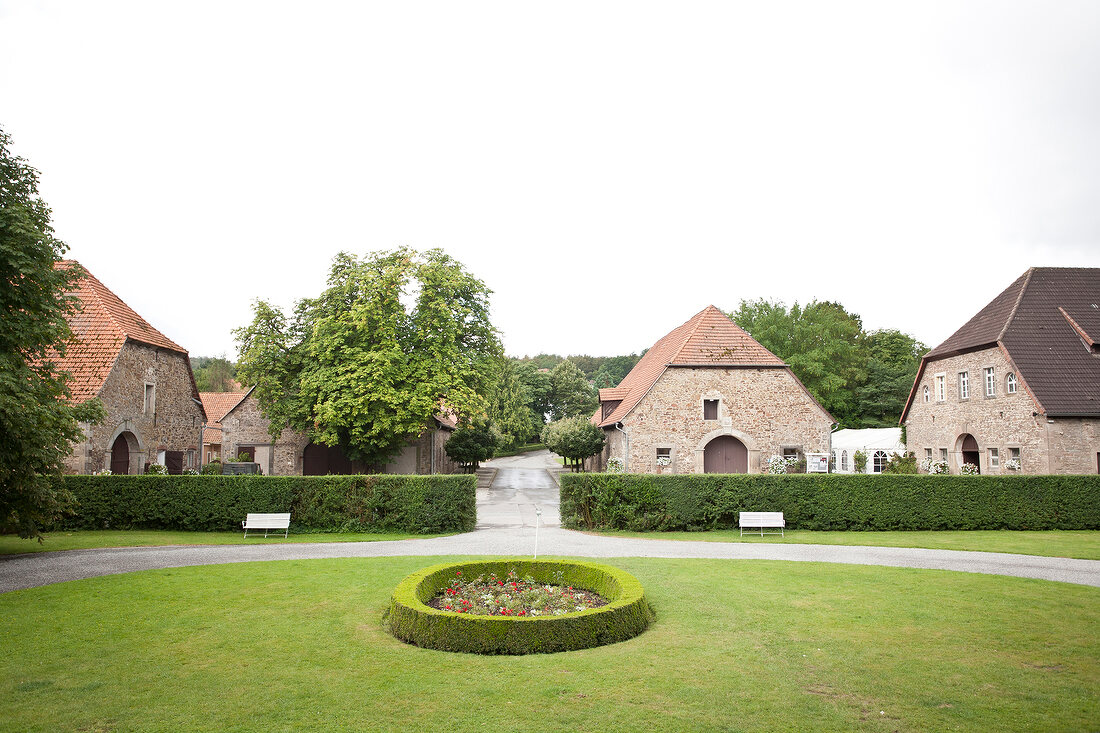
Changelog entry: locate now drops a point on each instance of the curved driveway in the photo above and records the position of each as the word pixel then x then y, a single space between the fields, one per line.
pixel 506 527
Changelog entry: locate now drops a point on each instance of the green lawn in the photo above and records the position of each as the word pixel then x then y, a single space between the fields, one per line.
pixel 1054 543
pixel 82 540
pixel 737 645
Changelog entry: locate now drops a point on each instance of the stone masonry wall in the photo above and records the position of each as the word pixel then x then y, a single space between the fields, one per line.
pixel 1003 421
pixel 766 409
pixel 245 425
pixel 1074 445
pixel 171 424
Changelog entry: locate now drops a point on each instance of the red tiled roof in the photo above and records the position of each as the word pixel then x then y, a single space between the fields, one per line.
pixel 101 326
pixel 217 404
pixel 613 393
pixel 710 338
pixel 1047 323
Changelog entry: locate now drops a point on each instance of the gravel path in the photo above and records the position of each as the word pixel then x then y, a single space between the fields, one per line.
pixel 35 569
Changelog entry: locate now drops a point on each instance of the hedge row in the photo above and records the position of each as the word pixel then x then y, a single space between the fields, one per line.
pixel 373 503
pixel 643 502
pixel 626 615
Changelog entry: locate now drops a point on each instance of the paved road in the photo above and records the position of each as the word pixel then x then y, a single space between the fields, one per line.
pixel 506 526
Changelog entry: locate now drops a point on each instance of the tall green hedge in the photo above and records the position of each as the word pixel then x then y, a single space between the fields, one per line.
pixel 830 501
pixel 374 503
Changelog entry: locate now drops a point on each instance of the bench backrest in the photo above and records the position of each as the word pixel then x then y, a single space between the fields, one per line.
pixel 271 521
pixel 761 519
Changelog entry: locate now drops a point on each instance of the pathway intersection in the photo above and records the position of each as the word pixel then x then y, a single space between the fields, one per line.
pixel 506 526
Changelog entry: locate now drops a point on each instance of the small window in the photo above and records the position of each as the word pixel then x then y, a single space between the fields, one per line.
pixel 1014 453
pixel 790 452
pixel 928 454
pixel 844 460
pixel 964 385
pixel 994 458
pixel 943 454
pixel 990 382
pixel 664 456
pixel 879 461
pixel 941 387
pixel 927 394
pixel 150 399
pixel 710 409
pixel 1010 383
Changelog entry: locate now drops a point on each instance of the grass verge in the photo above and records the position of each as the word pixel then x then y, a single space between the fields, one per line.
pixel 89 539
pixel 1084 544
pixel 746 645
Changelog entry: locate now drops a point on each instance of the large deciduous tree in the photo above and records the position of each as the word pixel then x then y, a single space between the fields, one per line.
pixel 508 410
pixel 394 339
pixel 570 393
pixel 574 439
pixel 893 359
pixel 38 421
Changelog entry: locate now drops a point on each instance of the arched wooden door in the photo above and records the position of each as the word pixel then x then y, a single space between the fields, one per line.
pixel 970 451
pixel 120 455
pixel 725 454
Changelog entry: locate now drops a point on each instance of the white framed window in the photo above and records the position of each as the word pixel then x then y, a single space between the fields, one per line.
pixel 941 388
pixel 943 454
pixel 844 460
pixel 1014 453
pixel 150 404
pixel 928 454
pixel 990 382
pixel 994 458
pixel 710 409
pixel 664 456
pixel 879 461
pixel 927 394
pixel 964 385
pixel 1010 383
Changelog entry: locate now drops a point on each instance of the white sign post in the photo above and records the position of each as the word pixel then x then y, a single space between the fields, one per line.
pixel 817 463
pixel 538 521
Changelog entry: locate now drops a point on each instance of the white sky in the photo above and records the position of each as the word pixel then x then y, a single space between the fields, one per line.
pixel 608 169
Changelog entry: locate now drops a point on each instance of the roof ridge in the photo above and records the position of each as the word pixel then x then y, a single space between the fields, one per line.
pixel 1016 305
pixel 698 318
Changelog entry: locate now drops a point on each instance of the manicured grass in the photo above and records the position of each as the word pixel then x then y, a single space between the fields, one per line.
pixel 1083 544
pixel 86 539
pixel 741 645
pixel 529 448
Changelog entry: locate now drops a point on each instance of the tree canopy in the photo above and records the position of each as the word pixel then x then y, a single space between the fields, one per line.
pixel 395 338
pixel 573 438
pixel 862 378
pixel 214 373
pixel 570 392
pixel 38 421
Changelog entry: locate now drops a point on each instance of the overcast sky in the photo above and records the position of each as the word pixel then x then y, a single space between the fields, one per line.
pixel 608 169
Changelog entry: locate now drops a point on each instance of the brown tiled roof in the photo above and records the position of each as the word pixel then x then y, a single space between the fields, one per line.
pixel 613 393
pixel 101 326
pixel 217 404
pixel 709 339
pixel 1044 322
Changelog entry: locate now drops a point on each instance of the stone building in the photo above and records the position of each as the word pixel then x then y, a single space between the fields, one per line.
pixel 144 380
pixel 1017 383
pixel 216 405
pixel 244 429
pixel 707 398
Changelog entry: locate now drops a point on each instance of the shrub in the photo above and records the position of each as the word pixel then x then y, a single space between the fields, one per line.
pixel 626 615
pixel 644 502
pixel 470 445
pixel 574 438
pixel 859 460
pixel 374 503
pixel 901 463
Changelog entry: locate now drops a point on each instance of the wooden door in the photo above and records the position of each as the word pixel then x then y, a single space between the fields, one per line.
pixel 725 454
pixel 120 456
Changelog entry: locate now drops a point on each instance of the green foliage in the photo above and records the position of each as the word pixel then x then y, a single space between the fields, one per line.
pixel 831 501
pixel 537 388
pixel 626 615
pixel 574 439
pixel 570 393
pixel 509 413
pixel 355 367
pixel 38 420
pixel 859 460
pixel 862 378
pixel 609 369
pixel 214 468
pixel 214 373
pixel 901 463
pixel 469 445
pixel 374 503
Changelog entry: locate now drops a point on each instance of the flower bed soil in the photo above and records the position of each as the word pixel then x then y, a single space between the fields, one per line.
pixel 513 596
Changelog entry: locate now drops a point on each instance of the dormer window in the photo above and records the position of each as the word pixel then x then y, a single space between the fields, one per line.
pixel 710 409
pixel 1010 383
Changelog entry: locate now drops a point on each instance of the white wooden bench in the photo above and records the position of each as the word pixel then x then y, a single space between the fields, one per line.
pixel 267 522
pixel 760 520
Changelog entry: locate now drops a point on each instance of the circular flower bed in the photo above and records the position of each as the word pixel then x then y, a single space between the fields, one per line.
pixel 626 614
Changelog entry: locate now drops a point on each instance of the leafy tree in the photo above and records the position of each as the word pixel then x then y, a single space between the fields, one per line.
pixel 395 338
pixel 536 385
pixel 214 374
pixel 508 410
pixel 891 368
pixel 570 393
pixel 38 420
pixel 901 463
pixel 469 445
pixel 574 439
pixel 822 343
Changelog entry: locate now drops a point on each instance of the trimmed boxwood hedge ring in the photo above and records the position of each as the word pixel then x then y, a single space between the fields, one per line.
pixel 626 614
